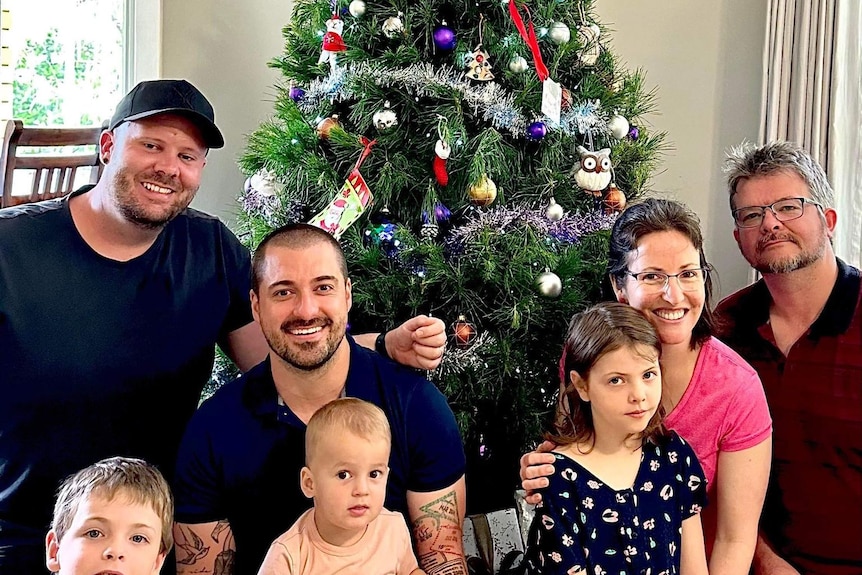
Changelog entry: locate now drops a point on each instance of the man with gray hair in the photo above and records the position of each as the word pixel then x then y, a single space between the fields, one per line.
pixel 800 326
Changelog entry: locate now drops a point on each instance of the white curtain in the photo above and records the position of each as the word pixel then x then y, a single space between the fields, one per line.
pixel 845 156
pixel 811 96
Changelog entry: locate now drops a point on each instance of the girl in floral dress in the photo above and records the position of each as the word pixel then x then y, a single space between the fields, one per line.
pixel 626 494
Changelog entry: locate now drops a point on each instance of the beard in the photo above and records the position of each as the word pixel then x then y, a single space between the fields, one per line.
pixel 787 264
pixel 307 356
pixel 149 217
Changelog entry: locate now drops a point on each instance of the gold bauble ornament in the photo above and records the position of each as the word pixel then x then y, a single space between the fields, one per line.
pixel 325 126
pixel 483 192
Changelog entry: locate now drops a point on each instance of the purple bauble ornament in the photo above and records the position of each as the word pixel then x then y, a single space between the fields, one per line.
pixel 444 37
pixel 634 133
pixel 442 213
pixel 537 130
pixel 296 93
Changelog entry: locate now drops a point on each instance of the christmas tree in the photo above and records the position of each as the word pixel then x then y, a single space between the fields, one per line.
pixel 471 157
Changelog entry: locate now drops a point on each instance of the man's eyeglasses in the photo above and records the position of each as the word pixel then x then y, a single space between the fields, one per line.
pixel 655 282
pixel 783 210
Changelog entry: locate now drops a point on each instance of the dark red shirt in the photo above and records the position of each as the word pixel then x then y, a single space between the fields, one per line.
pixel 813 512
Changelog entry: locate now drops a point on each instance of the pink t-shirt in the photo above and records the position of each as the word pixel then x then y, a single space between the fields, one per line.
pixel 384 549
pixel 723 409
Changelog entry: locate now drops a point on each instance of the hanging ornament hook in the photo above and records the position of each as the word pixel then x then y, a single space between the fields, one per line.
pixel 443 128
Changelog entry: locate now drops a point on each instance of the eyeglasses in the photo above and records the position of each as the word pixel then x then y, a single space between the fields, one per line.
pixel 655 282
pixel 783 210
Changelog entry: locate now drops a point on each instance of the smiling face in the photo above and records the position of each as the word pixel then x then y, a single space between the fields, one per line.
pixel 154 166
pixel 301 304
pixel 346 476
pixel 776 247
pixel 113 536
pixel 672 311
pixel 623 388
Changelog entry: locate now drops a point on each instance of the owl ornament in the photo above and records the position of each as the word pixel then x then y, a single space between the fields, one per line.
pixel 594 173
pixel 332 41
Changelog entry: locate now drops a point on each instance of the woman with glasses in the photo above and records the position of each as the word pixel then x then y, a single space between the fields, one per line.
pixel 712 397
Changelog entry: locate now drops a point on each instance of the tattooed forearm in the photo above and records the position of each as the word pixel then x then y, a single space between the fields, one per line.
pixel 206 548
pixel 437 530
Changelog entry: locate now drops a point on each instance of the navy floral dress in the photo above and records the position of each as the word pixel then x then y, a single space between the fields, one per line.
pixel 582 524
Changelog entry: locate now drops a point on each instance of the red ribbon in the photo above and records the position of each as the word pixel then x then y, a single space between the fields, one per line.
pixel 529 36
pixel 368 145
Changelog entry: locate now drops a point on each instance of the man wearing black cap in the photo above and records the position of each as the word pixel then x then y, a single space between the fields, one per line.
pixel 111 301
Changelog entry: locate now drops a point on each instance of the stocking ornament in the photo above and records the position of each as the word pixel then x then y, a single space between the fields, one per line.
pixel 441 153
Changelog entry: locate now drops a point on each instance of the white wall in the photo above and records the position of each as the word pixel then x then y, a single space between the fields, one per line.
pixel 705 60
pixel 704 57
pixel 222 47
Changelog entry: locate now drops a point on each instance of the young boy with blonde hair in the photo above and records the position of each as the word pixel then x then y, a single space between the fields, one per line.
pixel 347 446
pixel 114 516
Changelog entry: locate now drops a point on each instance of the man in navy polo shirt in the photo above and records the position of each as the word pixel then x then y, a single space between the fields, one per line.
pixel 238 469
pixel 111 303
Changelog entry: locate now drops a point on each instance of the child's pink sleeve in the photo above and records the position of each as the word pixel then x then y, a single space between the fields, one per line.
pixel 407 562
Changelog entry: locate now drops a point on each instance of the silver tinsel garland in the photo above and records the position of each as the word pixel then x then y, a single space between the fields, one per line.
pixel 568 230
pixel 457 360
pixel 494 103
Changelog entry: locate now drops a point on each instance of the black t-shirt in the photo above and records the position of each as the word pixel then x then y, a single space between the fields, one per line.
pixel 99 357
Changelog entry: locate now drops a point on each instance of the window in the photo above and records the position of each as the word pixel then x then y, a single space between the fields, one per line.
pixel 67 60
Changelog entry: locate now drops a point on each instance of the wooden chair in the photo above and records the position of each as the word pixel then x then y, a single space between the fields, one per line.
pixel 53 173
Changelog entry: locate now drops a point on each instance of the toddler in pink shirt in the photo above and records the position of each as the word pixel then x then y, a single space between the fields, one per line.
pixel 347 446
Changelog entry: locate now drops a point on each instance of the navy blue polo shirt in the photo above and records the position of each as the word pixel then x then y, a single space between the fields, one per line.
pixel 242 452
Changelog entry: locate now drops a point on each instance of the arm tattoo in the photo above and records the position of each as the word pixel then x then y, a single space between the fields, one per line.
pixel 191 549
pixel 438 536
pixel 225 559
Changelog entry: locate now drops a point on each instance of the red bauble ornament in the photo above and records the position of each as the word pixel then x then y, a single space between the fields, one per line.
pixel 464 332
pixel 615 200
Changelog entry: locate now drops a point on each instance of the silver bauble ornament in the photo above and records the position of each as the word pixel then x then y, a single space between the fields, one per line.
pixel 264 183
pixel 518 64
pixel 559 33
pixel 356 8
pixel 554 211
pixel 393 26
pixel 549 284
pixel 385 118
pixel 619 127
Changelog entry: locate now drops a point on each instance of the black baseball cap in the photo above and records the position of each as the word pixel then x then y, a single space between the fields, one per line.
pixel 169 97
